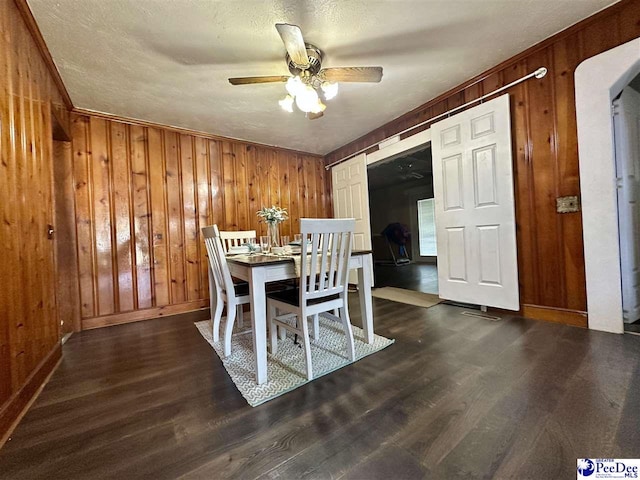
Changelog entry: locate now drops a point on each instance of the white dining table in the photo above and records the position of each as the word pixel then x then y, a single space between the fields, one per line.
pixel 258 270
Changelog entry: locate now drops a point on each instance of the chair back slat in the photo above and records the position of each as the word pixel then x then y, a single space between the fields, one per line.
pixel 209 243
pixel 236 238
pixel 343 257
pixel 314 254
pixel 333 268
pixel 325 249
pixel 323 262
pixel 218 260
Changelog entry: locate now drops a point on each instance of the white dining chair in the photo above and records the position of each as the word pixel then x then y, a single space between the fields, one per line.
pixel 323 285
pixel 236 239
pixel 233 294
pixel 232 238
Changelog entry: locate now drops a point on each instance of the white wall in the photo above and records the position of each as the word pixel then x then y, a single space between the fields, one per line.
pixel 598 81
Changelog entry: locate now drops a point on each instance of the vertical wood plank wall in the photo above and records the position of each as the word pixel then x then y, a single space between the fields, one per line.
pixel 29 338
pixel 67 290
pixel 550 247
pixel 143 193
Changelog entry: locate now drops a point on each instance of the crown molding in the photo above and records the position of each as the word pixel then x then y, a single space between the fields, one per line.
pixel 187 131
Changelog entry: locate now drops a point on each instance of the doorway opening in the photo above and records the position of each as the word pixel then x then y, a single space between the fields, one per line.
pixel 403 222
pixel 62 232
pixel 599 80
pixel 626 133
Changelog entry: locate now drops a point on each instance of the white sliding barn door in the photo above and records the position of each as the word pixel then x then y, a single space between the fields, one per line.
pixel 351 200
pixel 474 206
pixel 626 129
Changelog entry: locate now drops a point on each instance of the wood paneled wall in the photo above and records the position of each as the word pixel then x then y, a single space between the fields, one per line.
pixel 29 337
pixel 143 193
pixel 550 248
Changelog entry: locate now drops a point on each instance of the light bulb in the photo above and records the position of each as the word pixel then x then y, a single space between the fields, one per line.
pixel 286 103
pixel 294 86
pixel 330 90
pixel 306 99
pixel 319 107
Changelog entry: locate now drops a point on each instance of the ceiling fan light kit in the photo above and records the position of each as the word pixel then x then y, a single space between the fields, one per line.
pixel 305 93
pixel 330 90
pixel 309 84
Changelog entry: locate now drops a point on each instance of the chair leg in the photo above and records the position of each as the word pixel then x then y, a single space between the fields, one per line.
pixel 316 326
pixel 217 316
pixel 307 346
pixel 228 329
pixel 240 316
pixel 348 331
pixel 282 333
pixel 273 329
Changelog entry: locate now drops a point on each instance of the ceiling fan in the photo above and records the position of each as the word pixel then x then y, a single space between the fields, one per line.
pixel 309 84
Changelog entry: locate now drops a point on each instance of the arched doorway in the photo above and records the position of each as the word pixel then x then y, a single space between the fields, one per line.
pixel 598 81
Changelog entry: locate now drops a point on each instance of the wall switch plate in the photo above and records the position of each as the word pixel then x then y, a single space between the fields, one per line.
pixel 568 204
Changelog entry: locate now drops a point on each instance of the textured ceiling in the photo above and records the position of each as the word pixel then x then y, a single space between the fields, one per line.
pixel 168 61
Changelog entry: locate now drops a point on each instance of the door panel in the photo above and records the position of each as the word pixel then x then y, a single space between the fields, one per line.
pixel 452 183
pixel 484 176
pixel 351 194
pixel 457 263
pixel 626 123
pixel 474 206
pixel 489 249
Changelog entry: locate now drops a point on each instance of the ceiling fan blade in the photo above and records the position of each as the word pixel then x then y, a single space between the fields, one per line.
pixel 252 80
pixel 352 74
pixel 294 43
pixel 313 116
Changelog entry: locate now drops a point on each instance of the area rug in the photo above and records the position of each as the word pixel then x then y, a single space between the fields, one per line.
pixel 403 295
pixel 286 370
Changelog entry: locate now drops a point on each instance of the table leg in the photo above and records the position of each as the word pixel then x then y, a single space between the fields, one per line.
pixel 259 321
pixel 364 292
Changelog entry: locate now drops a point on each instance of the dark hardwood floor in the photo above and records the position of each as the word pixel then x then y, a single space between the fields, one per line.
pixel 454 397
pixel 632 327
pixel 421 277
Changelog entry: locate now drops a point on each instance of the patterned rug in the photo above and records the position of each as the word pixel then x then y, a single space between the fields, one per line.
pixel 402 295
pixel 286 369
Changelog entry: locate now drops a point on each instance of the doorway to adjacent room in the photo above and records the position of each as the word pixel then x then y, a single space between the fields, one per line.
pixel 403 223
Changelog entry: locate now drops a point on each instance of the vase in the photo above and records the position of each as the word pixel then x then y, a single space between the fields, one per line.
pixel 273 230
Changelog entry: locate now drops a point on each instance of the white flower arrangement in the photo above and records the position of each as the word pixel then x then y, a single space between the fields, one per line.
pixel 273 215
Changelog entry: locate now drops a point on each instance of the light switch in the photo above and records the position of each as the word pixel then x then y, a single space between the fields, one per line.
pixel 568 204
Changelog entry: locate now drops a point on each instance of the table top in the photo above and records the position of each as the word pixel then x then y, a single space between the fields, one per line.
pixel 259 260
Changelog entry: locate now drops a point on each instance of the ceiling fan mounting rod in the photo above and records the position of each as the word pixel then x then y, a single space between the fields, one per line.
pixel 538 73
pixel 313 64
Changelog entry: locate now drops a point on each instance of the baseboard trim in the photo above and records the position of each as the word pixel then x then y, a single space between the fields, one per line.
pixel 565 316
pixel 146 314
pixel 16 407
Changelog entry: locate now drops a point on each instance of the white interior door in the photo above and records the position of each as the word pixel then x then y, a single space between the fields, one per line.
pixel 351 200
pixel 474 206
pixel 626 126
